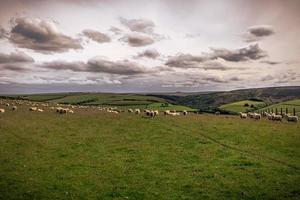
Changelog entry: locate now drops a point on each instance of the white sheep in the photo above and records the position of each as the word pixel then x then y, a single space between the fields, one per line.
pixel 14 108
pixel 130 110
pixel 217 113
pixel 166 112
pixel 40 110
pixel 243 115
pixel 276 117
pixel 137 111
pixel 2 110
pixel 291 118
pixel 33 109
pixel 184 112
pixel 257 116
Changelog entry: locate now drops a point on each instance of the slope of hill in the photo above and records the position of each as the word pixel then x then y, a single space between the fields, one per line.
pixel 211 101
pixel 243 106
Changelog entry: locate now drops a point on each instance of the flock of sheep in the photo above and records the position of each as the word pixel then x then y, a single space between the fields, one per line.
pixel 64 109
pixel 269 116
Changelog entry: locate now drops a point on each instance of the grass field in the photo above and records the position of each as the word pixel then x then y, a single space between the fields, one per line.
pixel 98 155
pixel 240 106
pixel 290 105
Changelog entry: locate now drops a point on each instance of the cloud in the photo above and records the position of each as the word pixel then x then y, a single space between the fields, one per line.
pixel 13 67
pixel 137 39
pixel 99 65
pixel 15 57
pixel 124 67
pixel 138 25
pixel 96 36
pixel 41 36
pixel 115 30
pixel 214 65
pixel 270 62
pixel 149 53
pixel 252 52
pixel 256 33
pixel 185 61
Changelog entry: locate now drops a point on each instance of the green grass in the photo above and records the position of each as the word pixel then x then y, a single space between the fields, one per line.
pixel 240 106
pixel 97 155
pixel 290 105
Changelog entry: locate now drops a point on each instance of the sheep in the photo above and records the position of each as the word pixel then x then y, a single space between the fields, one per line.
pixel 217 113
pixel 184 112
pixel 130 110
pixel 2 110
pixel 137 111
pixel 156 112
pixel 257 116
pixel 243 115
pixel 250 115
pixel 276 117
pixel 291 118
pixel 33 109
pixel 166 112
pixel 7 104
pixel 40 110
pixel 14 108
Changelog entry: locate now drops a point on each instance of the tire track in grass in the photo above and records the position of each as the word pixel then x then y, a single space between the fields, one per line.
pixel 261 156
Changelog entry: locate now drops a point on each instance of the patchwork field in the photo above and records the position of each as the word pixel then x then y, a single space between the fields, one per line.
pixel 93 154
pixel 240 106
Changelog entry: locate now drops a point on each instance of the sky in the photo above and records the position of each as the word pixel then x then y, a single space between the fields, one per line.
pixel 142 46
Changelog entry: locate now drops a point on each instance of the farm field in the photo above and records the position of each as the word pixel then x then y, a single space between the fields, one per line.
pixel 290 105
pixel 122 101
pixel 240 106
pixel 93 154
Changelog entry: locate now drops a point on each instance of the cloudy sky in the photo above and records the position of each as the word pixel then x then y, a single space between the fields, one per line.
pixel 148 46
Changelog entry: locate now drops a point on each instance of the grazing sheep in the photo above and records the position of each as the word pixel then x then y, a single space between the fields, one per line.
pixel 167 112
pixel 250 115
pixel 7 104
pixel 2 110
pixel 33 109
pixel 217 113
pixel 130 110
pixel 137 111
pixel 243 115
pixel 276 117
pixel 14 108
pixel 184 112
pixel 40 110
pixel 71 111
pixel 291 118
pixel 257 116
pixel 156 112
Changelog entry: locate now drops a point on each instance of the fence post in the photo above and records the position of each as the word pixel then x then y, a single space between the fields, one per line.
pixel 294 111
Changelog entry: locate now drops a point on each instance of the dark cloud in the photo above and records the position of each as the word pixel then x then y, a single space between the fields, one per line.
pixel 3 33
pixel 119 67
pixel 256 33
pixel 138 25
pixel 149 53
pixel 267 78
pixel 99 65
pixel 270 62
pixel 137 40
pixel 252 52
pixel 13 67
pixel 185 61
pixel 96 36
pixel 15 57
pixel 41 36
pixel 63 65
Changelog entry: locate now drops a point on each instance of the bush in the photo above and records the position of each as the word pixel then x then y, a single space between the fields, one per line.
pixel 246 104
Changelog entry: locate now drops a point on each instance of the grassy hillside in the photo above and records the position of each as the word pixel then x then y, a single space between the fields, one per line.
pixel 211 101
pixel 98 155
pixel 290 105
pixel 243 106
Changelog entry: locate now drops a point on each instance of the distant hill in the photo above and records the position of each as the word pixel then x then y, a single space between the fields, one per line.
pixel 211 101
